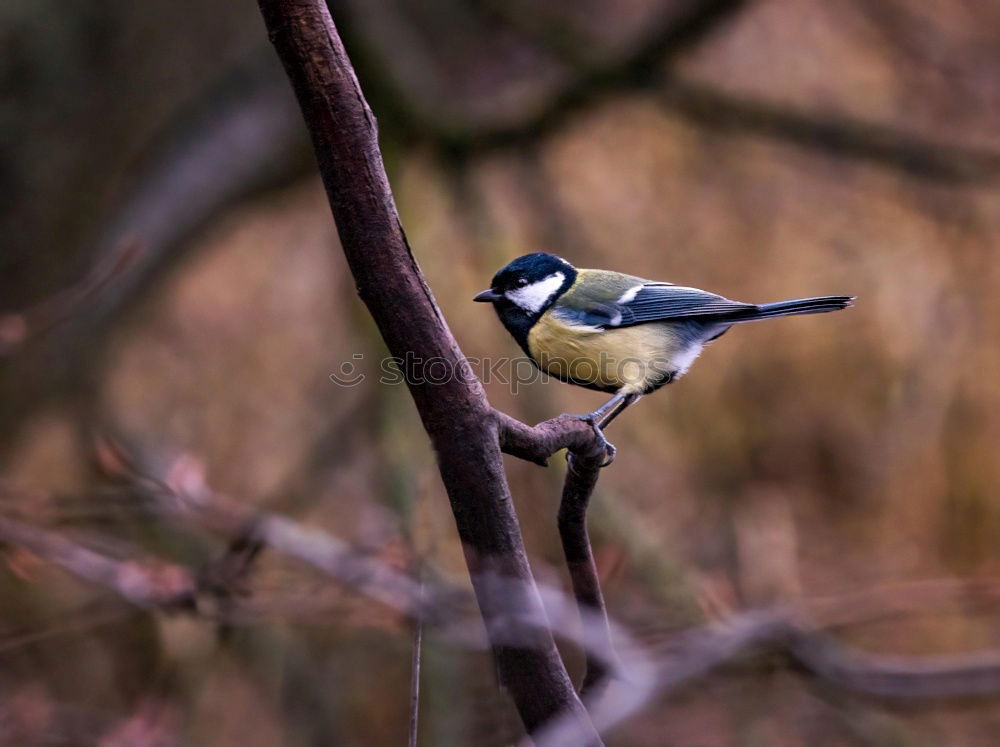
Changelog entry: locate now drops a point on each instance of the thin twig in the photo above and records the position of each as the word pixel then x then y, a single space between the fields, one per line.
pixel 418 639
pixel 18 327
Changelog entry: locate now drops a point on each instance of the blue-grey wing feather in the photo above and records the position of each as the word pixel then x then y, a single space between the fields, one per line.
pixel 658 302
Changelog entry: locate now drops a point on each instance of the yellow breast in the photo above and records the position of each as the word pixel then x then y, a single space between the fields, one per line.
pixel 630 360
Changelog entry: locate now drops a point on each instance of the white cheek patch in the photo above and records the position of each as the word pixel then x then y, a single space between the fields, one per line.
pixel 533 297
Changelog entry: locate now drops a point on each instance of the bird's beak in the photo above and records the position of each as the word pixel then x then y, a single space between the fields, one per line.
pixel 487 296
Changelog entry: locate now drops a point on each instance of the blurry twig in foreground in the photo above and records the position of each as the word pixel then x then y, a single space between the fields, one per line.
pixel 639 673
pixel 19 327
pixel 181 493
pixel 699 652
pixel 144 583
pixel 178 491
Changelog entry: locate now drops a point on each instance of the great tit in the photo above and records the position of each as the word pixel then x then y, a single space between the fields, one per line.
pixel 618 333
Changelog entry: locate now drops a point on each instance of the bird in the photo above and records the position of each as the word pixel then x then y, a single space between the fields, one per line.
pixel 617 333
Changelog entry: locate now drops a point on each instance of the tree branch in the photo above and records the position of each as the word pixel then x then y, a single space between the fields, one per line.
pixel 845 137
pixel 455 413
pixel 699 652
pixel 19 327
pixel 586 456
pixel 581 479
pixel 589 78
pixel 537 443
pixel 145 583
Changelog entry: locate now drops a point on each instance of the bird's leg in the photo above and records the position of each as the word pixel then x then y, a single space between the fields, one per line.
pixel 604 420
pixel 600 418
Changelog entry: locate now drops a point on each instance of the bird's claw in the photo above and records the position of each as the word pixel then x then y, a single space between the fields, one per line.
pixel 609 448
pixel 610 452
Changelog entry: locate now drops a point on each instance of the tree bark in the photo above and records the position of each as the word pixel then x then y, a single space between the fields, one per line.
pixel 454 412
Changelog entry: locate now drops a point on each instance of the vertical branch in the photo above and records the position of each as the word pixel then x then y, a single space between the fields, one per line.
pixel 455 413
pixel 581 479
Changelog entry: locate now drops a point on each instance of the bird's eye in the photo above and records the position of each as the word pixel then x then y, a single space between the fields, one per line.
pixel 521 282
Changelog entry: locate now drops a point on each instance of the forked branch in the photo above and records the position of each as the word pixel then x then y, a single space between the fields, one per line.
pixel 455 413
pixel 586 455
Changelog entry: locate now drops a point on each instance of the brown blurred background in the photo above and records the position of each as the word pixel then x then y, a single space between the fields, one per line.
pixel 765 150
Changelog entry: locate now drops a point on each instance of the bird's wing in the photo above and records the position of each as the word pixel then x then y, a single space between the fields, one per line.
pixel 651 302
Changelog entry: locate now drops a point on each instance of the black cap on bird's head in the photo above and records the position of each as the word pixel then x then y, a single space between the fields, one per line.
pixel 530 283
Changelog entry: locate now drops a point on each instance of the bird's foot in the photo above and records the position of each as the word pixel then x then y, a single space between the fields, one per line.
pixel 592 419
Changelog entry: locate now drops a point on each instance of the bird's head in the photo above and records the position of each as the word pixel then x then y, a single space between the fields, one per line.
pixel 529 285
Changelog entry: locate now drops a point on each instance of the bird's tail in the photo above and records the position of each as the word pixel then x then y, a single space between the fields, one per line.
pixel 817 305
